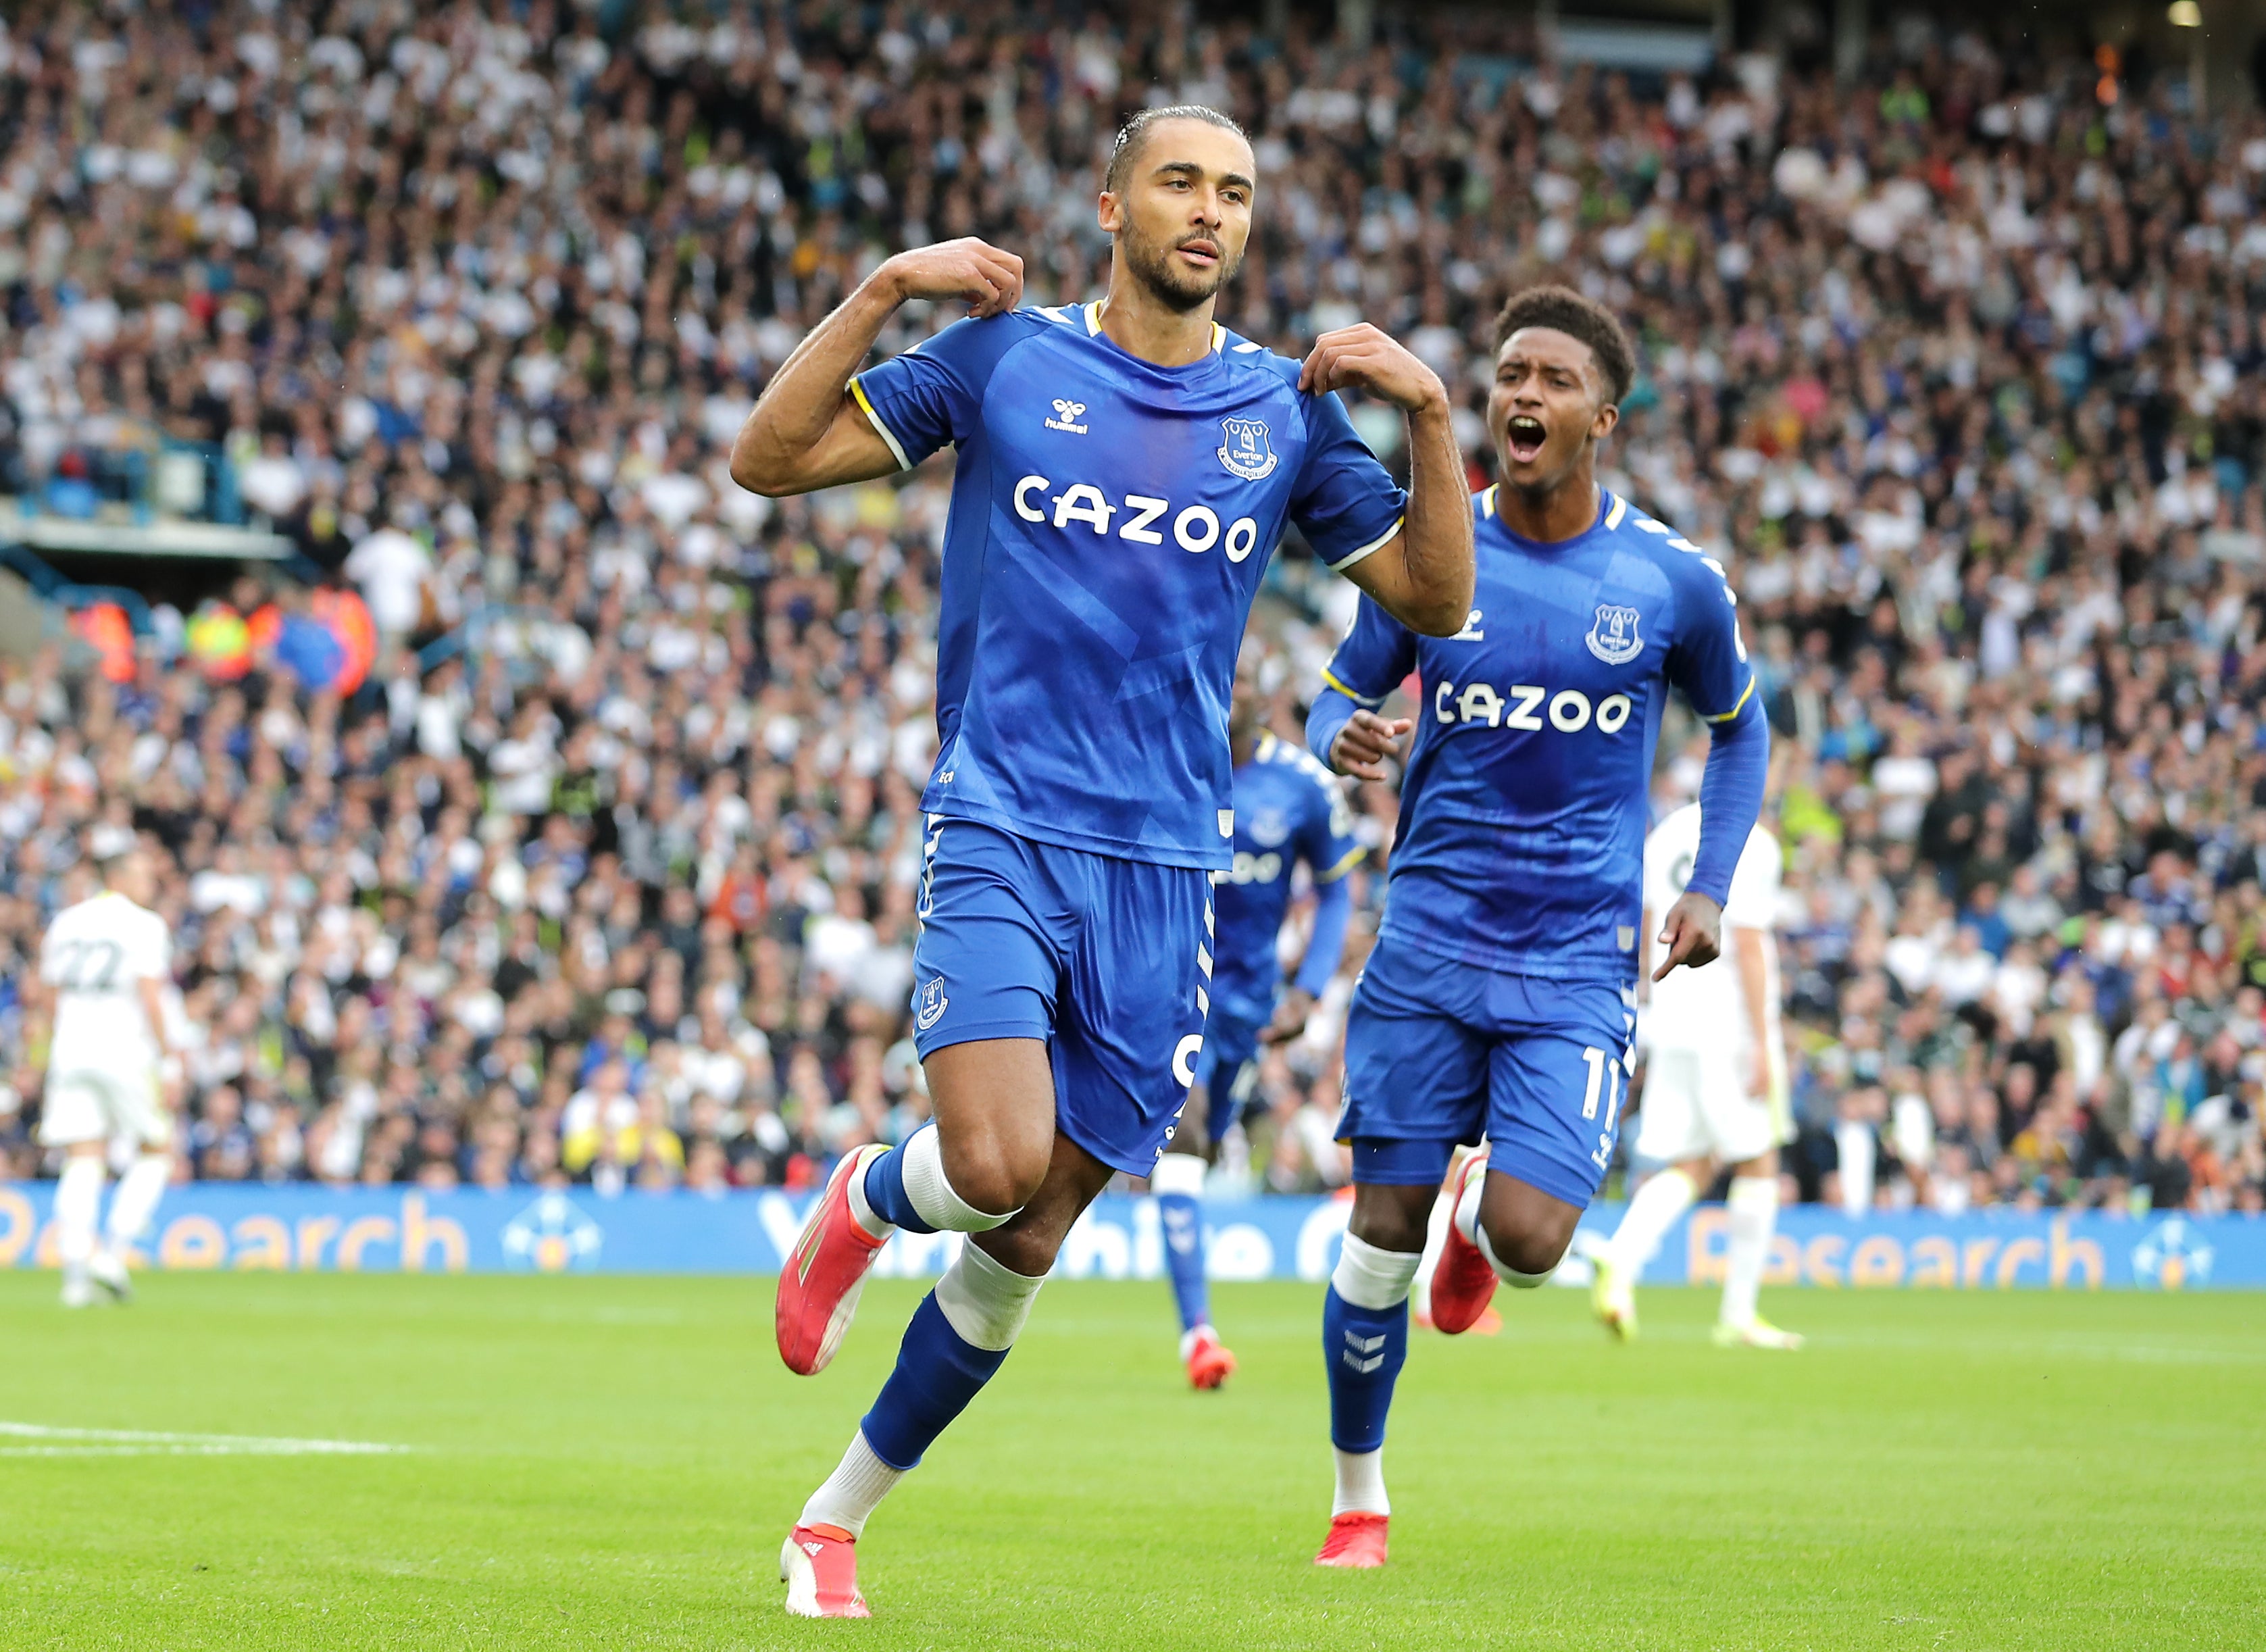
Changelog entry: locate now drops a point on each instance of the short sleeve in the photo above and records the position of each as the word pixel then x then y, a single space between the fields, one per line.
pixel 932 395
pixel 1707 660
pixel 1754 901
pixel 1329 846
pixel 1346 502
pixel 1377 654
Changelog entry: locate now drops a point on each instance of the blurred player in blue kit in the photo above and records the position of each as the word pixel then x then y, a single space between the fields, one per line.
pixel 1499 1004
pixel 1125 470
pixel 1290 810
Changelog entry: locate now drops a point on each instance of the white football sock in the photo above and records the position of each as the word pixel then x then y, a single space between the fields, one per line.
pixel 79 1197
pixel 1651 1212
pixel 985 1301
pixel 853 1491
pixel 1852 1138
pixel 1361 1483
pixel 136 1202
pixel 1368 1277
pixel 1179 1173
pixel 862 1212
pixel 1753 1205
pixel 1466 1219
pixel 931 1195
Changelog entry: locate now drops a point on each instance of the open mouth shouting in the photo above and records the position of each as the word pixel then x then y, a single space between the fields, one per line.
pixel 1523 437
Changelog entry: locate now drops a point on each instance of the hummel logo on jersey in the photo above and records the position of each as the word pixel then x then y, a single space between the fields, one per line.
pixel 1066 417
pixel 1471 633
pixel 1246 452
pixel 1612 635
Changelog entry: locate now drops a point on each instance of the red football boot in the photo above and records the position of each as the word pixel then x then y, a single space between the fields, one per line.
pixel 1209 1363
pixel 819 1566
pixel 1356 1542
pixel 819 1286
pixel 1464 1283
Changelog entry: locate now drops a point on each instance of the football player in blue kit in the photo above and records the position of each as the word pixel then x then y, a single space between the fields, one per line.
pixel 1125 468
pixel 1498 1002
pixel 1289 809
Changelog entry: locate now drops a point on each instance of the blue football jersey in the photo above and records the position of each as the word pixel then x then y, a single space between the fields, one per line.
pixel 1523 809
pixel 1289 807
pixel 1110 522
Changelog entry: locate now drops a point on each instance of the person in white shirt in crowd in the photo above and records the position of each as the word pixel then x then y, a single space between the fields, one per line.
pixel 1714 1089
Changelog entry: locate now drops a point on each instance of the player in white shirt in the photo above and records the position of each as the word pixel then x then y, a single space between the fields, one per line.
pixel 1714 1089
pixel 107 963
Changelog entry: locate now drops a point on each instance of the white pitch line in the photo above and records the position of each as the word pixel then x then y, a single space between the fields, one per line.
pixel 142 1442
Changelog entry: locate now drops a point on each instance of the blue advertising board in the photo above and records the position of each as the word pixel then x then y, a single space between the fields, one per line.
pixel 307 1228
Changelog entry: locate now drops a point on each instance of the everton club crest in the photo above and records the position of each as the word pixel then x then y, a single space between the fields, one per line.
pixel 932 1004
pixel 1612 635
pixel 1246 451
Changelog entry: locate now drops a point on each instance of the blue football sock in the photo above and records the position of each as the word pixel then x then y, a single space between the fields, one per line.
pixel 937 1373
pixel 1364 1348
pixel 1184 1256
pixel 885 1190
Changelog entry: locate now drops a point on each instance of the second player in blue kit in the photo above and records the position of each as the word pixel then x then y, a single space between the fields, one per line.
pixel 1124 470
pixel 1498 1003
pixel 1289 812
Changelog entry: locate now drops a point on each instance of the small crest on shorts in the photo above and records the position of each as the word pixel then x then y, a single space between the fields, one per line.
pixel 932 1004
pixel 1612 635
pixel 1246 451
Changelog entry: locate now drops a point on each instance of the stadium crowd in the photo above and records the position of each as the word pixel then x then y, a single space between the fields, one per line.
pixel 607 874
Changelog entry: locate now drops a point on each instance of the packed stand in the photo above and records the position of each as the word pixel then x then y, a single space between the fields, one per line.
pixel 607 874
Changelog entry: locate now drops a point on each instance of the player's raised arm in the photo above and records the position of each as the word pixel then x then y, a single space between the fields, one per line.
pixel 1421 575
pixel 809 429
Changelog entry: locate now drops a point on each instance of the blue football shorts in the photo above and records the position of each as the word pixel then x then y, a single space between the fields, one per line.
pixel 1440 1053
pixel 1229 1070
pixel 1104 960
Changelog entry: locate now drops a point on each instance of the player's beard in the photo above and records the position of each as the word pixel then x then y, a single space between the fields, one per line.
pixel 1152 264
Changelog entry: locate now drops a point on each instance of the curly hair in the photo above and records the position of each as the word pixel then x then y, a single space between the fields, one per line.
pixel 1563 310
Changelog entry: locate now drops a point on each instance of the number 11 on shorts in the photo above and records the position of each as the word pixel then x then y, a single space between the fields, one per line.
pixel 1601 1065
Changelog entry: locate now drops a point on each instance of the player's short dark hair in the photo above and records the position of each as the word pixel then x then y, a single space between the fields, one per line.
pixel 1562 310
pixel 1134 133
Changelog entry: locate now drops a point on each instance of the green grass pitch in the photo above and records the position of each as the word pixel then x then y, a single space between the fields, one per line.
pixel 612 1464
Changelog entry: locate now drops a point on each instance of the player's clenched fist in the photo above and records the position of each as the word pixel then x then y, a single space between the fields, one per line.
pixel 1363 745
pixel 1363 358
pixel 988 281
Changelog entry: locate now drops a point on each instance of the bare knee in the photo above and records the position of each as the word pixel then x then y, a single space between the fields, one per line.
pixel 1528 1248
pixel 1390 1219
pixel 995 1120
pixel 996 1173
pixel 1527 1229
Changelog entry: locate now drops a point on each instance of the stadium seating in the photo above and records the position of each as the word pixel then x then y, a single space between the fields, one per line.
pixel 605 875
